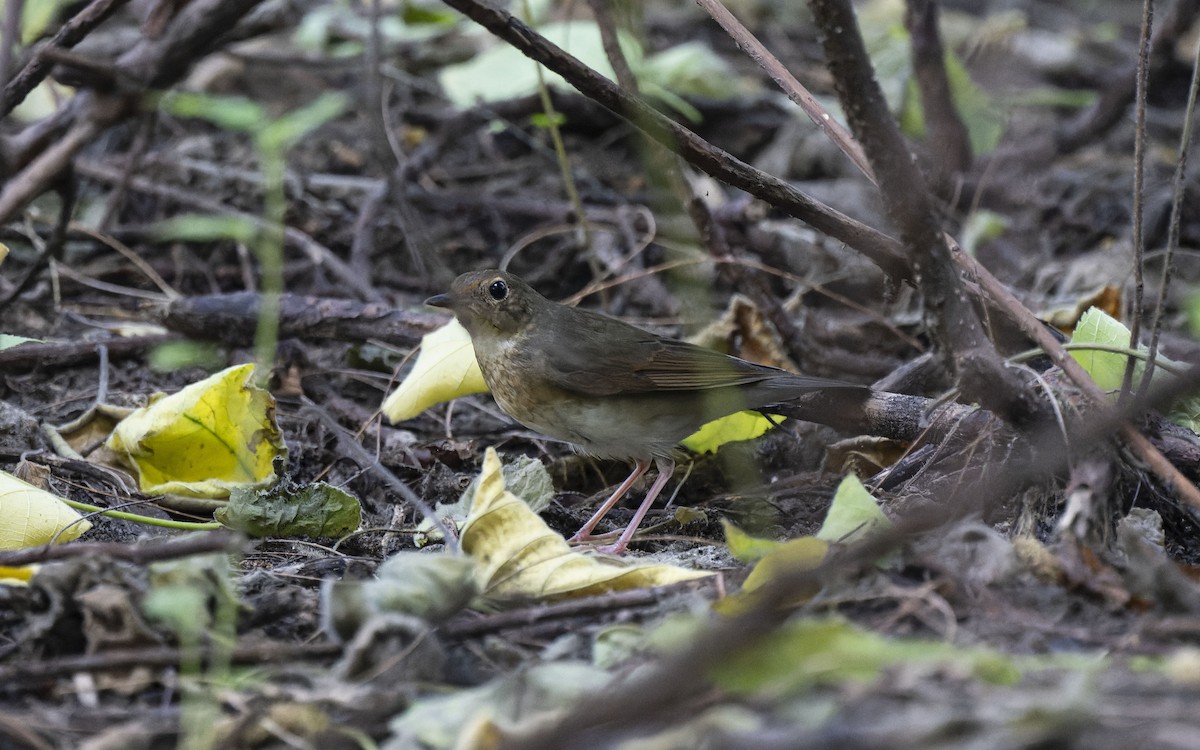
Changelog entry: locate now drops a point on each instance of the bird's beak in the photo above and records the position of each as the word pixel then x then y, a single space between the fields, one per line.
pixel 439 300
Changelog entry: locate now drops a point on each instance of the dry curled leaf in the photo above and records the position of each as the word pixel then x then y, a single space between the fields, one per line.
pixel 520 558
pixel 445 369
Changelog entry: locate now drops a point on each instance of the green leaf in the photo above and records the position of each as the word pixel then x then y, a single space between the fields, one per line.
pixel 202 228
pixel 36 17
pixel 190 595
pixel 294 125
pixel 691 69
pixel 176 355
pixel 500 73
pixel 744 547
pixel 229 112
pixel 983 119
pixel 317 511
pixel 806 653
pixel 543 120
pixel 414 15
pixel 1106 368
pixel 982 226
pixel 853 515
pixel 1193 314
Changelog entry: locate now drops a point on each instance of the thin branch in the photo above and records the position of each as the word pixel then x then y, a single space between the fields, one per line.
pixel 795 90
pixel 1139 192
pixel 71 33
pixel 1178 189
pixel 948 310
pixel 884 251
pixel 185 546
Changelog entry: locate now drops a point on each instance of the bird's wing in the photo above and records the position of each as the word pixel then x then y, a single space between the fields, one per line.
pixel 631 360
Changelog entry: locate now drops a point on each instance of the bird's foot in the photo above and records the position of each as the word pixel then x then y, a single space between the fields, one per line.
pixel 612 549
pixel 582 538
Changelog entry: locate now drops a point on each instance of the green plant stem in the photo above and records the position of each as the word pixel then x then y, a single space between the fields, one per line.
pixel 270 258
pixel 147 520
pixel 560 150
pixel 1029 354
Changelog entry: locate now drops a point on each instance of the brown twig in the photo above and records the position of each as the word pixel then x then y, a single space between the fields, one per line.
pixel 230 318
pixel 1178 189
pixel 152 63
pixel 1137 237
pixel 186 546
pixel 881 249
pixel 473 627
pixel 33 675
pixel 949 313
pixel 71 33
pixel 795 91
pixel 30 355
pixel 320 255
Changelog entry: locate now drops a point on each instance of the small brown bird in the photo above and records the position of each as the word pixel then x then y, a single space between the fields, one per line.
pixel 613 390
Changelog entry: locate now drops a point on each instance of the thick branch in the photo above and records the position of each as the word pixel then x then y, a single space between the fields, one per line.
pixel 949 312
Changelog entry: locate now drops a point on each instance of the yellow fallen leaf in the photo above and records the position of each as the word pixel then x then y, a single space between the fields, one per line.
pixel 20 576
pixel 742 425
pixel 30 516
pixel 520 558
pixel 203 441
pixel 445 369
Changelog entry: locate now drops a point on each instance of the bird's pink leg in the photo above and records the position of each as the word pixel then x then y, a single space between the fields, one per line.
pixel 666 467
pixel 585 533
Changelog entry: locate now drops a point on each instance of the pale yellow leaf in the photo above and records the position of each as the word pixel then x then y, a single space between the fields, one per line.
pixel 445 369
pixel 204 440
pixel 520 558
pixel 30 516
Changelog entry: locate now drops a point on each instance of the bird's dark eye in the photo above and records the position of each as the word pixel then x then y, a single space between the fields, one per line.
pixel 498 290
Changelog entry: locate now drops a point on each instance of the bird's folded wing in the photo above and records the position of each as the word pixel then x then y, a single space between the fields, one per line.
pixel 647 363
